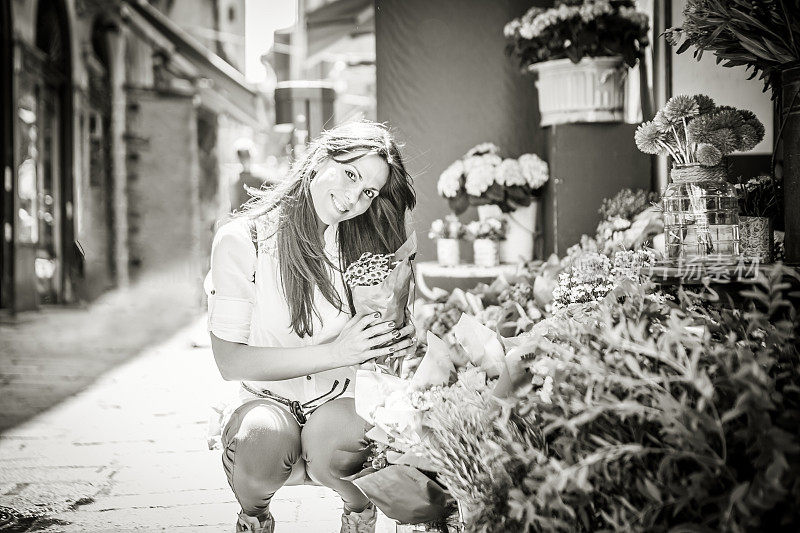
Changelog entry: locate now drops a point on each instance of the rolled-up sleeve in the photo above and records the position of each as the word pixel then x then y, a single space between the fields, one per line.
pixel 230 284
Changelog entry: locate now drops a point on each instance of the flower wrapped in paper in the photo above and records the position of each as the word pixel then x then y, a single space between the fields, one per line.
pixel 383 283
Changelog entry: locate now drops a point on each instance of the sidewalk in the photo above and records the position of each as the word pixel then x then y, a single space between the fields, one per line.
pixel 129 452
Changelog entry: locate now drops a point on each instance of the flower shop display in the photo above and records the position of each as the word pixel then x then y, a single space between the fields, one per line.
pixel 762 37
pixel 448 234
pixel 758 205
pixel 382 283
pixel 700 206
pixel 507 188
pixel 580 51
pixel 629 219
pixel 486 236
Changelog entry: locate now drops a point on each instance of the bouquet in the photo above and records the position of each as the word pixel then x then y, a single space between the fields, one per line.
pixel 759 196
pixel 401 477
pixel 449 228
pixel 493 229
pixel 693 129
pixel 382 283
pixel 758 35
pixel 577 29
pixel 482 177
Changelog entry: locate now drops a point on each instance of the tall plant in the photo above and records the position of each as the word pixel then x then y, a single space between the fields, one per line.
pixel 761 35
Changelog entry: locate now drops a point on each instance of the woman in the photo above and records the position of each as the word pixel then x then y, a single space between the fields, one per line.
pixel 280 319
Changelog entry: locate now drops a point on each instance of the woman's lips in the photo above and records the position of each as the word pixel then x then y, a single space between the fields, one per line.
pixel 338 206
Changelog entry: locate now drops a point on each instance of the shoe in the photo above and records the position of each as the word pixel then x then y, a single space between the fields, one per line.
pixel 255 524
pixel 363 522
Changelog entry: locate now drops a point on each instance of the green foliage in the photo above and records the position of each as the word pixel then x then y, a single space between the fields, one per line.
pixel 627 203
pixel 644 414
pixel 576 29
pixel 759 34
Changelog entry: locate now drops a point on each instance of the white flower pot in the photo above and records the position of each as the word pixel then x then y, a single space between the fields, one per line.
pixel 488 211
pixel 448 252
pixel 487 253
pixel 522 230
pixel 593 90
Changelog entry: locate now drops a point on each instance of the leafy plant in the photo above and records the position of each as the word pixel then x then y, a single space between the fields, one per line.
pixel 759 196
pixel 760 35
pixel 627 203
pixel 577 29
pixel 645 414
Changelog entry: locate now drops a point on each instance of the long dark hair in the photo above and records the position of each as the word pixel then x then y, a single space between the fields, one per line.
pixel 301 255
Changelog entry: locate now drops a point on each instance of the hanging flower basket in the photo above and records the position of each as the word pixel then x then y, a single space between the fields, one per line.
pixel 593 90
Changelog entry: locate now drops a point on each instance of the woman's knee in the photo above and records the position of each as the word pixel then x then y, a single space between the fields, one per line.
pixel 334 442
pixel 262 442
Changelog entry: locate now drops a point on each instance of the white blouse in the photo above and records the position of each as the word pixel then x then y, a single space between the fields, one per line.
pixel 246 304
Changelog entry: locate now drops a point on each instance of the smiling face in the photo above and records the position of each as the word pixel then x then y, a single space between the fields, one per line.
pixel 341 191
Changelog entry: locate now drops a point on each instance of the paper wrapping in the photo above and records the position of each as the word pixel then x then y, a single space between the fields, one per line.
pixel 405 494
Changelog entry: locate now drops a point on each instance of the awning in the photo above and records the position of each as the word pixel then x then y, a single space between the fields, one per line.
pixel 227 84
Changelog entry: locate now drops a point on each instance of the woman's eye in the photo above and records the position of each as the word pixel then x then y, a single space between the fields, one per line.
pixel 370 193
pixel 350 174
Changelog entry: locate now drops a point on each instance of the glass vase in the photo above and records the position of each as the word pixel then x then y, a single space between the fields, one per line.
pixel 701 220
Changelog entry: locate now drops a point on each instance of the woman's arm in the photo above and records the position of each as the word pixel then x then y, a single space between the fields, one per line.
pixel 354 345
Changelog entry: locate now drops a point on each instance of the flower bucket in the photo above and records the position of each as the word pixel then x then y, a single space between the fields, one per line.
pixel 592 90
pixel 523 230
pixel 485 212
pixel 755 234
pixel 448 252
pixel 487 252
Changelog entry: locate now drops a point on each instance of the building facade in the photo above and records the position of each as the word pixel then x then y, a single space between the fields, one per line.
pixel 118 133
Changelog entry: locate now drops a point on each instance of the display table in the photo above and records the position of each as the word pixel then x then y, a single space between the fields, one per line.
pixel 433 269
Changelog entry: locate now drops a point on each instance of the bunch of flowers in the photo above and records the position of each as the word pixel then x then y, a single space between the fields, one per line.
pixel 592 276
pixel 449 228
pixel 576 29
pixel 692 129
pixel 627 203
pixel 483 177
pixel 760 35
pixel 492 228
pixel 759 196
pixel 370 269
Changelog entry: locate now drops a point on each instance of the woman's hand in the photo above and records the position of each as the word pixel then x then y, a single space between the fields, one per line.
pixel 364 338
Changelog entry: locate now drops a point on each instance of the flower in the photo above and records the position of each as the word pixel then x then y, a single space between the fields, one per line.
pixel 649 138
pixel 708 155
pixel 449 228
pixel 480 173
pixel 534 169
pixel 490 228
pixel 450 180
pixel 483 149
pixel 681 107
pixel 509 173
pixel 705 103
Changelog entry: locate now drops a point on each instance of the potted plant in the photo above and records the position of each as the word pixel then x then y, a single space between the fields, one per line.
pixel 500 188
pixel 700 206
pixel 758 204
pixel 448 233
pixel 763 37
pixel 580 50
pixel 486 236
